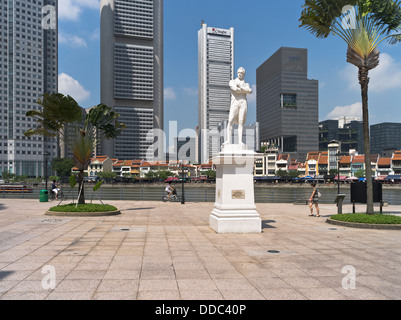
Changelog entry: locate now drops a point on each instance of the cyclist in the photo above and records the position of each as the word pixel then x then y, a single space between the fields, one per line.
pixel 170 190
pixel 55 189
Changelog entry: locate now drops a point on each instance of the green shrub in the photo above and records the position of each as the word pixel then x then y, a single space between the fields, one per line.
pixel 365 218
pixel 89 207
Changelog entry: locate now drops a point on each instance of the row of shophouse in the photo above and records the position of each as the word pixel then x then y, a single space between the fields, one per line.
pixel 139 168
pixel 317 164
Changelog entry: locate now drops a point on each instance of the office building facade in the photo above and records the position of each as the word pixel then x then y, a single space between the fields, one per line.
pixel 28 68
pixel 350 134
pixel 215 70
pixel 287 105
pixel 131 36
pixel 385 137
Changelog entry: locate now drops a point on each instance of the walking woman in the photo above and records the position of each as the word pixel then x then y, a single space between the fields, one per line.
pixel 314 200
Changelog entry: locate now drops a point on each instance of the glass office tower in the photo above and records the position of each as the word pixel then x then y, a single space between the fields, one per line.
pixel 28 68
pixel 132 73
pixel 287 105
pixel 215 70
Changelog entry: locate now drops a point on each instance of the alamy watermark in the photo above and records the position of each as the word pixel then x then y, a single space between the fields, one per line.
pixel 49 280
pixel 349 19
pixel 49 21
pixel 349 281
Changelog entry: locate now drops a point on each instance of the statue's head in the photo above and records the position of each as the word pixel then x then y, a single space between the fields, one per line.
pixel 241 73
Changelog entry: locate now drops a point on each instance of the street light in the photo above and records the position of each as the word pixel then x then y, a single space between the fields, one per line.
pixel 182 179
pixel 46 157
pixel 338 172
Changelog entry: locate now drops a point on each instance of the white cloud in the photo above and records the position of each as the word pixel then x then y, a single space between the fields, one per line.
pixel 69 86
pixel 352 111
pixel 72 40
pixel 191 91
pixel 169 93
pixel 386 76
pixel 71 9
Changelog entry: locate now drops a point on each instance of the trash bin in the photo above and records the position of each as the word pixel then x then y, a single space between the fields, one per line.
pixel 44 196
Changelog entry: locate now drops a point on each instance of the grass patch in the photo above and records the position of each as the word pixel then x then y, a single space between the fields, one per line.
pixel 88 207
pixel 370 219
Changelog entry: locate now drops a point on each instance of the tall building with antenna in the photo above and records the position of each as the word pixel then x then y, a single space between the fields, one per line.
pixel 215 70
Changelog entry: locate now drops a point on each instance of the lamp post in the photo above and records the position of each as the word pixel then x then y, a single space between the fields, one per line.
pixel 46 158
pixel 182 180
pixel 338 172
pixel 182 176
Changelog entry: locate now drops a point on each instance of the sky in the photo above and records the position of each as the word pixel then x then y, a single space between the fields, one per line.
pixel 261 28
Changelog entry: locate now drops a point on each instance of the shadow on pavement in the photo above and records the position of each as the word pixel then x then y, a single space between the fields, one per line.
pixel 147 208
pixel 5 274
pixel 266 224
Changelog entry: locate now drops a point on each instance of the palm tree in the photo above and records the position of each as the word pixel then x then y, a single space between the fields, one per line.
pixel 61 116
pixel 363 25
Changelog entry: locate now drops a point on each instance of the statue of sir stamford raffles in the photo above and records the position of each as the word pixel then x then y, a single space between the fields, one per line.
pixel 239 106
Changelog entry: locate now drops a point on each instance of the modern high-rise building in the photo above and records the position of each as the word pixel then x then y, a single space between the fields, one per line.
pixel 215 70
pixel 287 105
pixel 385 137
pixel 131 40
pixel 349 133
pixel 28 68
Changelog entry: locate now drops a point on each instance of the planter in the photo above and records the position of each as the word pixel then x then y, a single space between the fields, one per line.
pixel 82 214
pixel 364 225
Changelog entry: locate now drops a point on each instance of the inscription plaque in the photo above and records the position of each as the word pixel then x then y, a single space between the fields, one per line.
pixel 238 194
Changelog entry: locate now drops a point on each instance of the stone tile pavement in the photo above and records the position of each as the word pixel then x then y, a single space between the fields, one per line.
pixel 167 251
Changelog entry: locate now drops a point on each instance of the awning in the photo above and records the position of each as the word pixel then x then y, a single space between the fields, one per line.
pixel 351 179
pixel 267 178
pixel 381 178
pixel 393 177
pixel 342 178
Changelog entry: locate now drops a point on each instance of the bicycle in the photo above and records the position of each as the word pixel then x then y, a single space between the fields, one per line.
pixel 173 198
pixel 61 196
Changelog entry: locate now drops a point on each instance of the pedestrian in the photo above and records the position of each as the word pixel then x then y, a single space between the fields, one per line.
pixel 314 200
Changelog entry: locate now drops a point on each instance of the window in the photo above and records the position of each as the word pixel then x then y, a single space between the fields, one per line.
pixel 288 101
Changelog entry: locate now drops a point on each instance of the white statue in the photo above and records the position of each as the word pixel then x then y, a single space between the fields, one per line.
pixel 239 106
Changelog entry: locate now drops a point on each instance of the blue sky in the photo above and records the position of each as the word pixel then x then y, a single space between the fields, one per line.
pixel 261 28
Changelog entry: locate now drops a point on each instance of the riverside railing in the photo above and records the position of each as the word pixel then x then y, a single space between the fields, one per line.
pixel 205 194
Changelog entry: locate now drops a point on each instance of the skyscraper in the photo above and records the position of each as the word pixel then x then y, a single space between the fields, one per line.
pixel 385 137
pixel 287 103
pixel 28 68
pixel 131 36
pixel 215 70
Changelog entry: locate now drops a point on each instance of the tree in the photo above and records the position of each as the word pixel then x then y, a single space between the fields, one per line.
pixel 7 175
pixel 62 166
pixel 107 175
pixel 360 173
pixel 363 25
pixel 61 116
pixel 211 174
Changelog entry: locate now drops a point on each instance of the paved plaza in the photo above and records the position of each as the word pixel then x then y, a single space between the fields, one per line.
pixel 167 251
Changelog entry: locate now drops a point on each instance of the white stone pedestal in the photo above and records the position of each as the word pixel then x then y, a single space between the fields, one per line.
pixel 235 210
